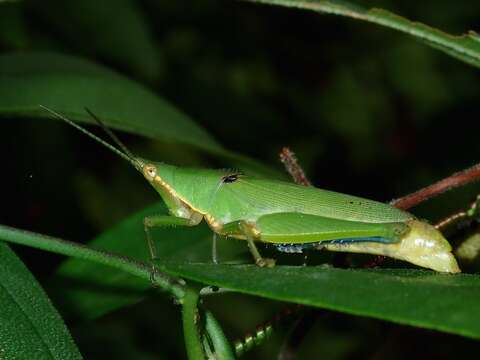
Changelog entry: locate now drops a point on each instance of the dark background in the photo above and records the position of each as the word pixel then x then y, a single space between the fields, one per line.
pixel 368 111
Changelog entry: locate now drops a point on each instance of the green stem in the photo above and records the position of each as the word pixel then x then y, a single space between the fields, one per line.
pixel 190 318
pixel 223 349
pixel 72 249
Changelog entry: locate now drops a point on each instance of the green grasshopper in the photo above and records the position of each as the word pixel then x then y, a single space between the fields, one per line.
pixel 289 216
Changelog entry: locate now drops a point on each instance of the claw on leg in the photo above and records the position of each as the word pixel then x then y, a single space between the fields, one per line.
pixel 265 262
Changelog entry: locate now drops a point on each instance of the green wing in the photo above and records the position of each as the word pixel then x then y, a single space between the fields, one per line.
pixel 249 198
pixel 295 228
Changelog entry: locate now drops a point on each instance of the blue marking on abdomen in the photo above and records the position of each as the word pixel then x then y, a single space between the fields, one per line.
pixel 298 248
pixel 355 240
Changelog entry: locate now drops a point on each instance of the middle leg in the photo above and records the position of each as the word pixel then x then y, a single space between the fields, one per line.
pixel 251 234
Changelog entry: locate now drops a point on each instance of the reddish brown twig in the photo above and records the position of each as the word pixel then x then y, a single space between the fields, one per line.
pixel 471 213
pixel 454 218
pixel 287 157
pixel 456 180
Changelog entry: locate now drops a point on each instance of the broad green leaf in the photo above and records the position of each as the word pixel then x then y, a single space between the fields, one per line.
pixel 30 326
pixel 70 84
pixel 413 297
pixel 464 47
pixel 87 290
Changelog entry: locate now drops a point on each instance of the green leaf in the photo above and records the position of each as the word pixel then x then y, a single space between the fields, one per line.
pixel 86 290
pixel 414 297
pixel 69 84
pixel 30 326
pixel 464 47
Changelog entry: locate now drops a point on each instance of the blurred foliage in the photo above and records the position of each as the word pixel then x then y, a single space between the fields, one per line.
pixel 368 111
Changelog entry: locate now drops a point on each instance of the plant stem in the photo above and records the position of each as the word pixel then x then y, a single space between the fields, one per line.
pixel 221 345
pixel 458 179
pixel 72 249
pixel 190 318
pixel 289 160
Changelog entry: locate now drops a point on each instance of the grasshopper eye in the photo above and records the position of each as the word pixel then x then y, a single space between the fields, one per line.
pixel 150 171
pixel 231 178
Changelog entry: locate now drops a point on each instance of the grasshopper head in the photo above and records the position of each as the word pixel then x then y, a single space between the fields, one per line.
pixel 148 170
pixel 159 175
pixel 425 246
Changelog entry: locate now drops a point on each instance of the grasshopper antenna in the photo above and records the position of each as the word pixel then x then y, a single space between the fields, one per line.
pixel 110 133
pixel 125 153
